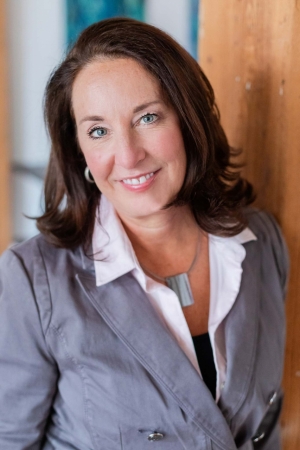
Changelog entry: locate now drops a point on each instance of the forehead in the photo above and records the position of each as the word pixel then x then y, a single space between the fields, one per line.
pixel 122 78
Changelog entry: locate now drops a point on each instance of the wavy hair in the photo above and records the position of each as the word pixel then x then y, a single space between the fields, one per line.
pixel 213 186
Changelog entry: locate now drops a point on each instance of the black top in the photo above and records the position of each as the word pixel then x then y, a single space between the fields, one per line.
pixel 206 361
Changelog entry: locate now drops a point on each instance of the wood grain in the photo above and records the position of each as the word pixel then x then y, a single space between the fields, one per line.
pixel 250 51
pixel 5 230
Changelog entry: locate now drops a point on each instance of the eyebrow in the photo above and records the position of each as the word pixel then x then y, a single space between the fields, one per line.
pixel 91 119
pixel 136 110
pixel 145 105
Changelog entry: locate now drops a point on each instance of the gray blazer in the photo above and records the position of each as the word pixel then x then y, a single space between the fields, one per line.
pixel 85 367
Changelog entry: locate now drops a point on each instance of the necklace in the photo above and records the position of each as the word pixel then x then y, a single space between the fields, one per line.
pixel 180 283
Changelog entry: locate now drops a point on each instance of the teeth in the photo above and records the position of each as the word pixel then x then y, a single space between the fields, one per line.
pixel 140 180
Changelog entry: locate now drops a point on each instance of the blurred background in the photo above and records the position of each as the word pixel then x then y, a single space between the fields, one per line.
pixel 38 35
pixel 250 51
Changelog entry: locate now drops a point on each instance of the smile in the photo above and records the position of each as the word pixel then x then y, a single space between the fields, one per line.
pixel 138 181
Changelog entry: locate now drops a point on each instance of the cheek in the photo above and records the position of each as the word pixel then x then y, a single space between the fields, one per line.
pixel 169 146
pixel 99 165
pixel 97 161
pixel 175 151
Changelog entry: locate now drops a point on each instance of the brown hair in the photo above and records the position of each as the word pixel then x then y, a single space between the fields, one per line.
pixel 212 187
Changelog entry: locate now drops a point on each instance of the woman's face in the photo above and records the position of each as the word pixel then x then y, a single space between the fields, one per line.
pixel 129 135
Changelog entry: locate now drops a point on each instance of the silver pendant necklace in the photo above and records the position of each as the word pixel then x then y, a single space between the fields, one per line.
pixel 180 283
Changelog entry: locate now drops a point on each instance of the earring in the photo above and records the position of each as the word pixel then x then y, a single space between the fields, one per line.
pixel 88 176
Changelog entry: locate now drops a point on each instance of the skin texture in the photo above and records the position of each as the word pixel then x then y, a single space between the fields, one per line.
pixel 126 130
pixel 132 143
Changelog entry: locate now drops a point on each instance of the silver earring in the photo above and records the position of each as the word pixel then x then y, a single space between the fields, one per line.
pixel 88 176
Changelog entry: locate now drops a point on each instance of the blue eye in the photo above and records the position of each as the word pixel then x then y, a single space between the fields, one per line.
pixel 149 118
pixel 97 133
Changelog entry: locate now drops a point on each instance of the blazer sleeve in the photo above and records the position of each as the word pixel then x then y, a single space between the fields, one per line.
pixel 28 374
pixel 267 228
pixel 279 247
pixel 264 224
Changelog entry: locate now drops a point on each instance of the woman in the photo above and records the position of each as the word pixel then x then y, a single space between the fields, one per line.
pixel 149 311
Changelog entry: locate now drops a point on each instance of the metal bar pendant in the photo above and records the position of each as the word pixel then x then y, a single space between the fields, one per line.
pixel 181 286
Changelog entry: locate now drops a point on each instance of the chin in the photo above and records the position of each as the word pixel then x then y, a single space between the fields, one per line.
pixel 143 208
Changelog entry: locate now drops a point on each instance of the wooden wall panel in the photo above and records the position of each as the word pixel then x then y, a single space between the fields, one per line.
pixel 5 235
pixel 250 51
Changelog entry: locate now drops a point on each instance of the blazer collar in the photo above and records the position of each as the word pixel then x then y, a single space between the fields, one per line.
pixel 126 309
pixel 114 254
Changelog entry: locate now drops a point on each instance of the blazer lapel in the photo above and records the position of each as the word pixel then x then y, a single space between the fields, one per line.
pixel 126 309
pixel 241 345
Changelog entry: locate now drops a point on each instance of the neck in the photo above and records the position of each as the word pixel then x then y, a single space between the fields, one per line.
pixel 158 238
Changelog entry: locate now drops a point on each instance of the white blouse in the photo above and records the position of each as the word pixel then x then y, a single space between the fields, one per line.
pixel 226 255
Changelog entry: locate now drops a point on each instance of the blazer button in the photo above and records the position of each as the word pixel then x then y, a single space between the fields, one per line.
pixel 155 436
pixel 272 398
pixel 258 437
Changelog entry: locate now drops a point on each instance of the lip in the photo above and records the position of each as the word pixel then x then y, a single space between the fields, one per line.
pixel 140 187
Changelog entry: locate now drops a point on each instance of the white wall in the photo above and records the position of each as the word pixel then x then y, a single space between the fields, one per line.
pixel 172 16
pixel 36 39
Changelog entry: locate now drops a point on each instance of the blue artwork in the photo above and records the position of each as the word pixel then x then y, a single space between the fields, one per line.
pixel 82 13
pixel 194 11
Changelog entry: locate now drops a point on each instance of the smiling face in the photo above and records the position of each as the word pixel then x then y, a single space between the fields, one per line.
pixel 129 135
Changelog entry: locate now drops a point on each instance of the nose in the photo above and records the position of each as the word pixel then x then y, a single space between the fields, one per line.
pixel 129 151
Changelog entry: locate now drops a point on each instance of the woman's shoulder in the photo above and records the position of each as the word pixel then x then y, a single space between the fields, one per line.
pixel 31 275
pixel 269 235
pixel 38 252
pixel 262 223
pixel 265 227
pixel 26 249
